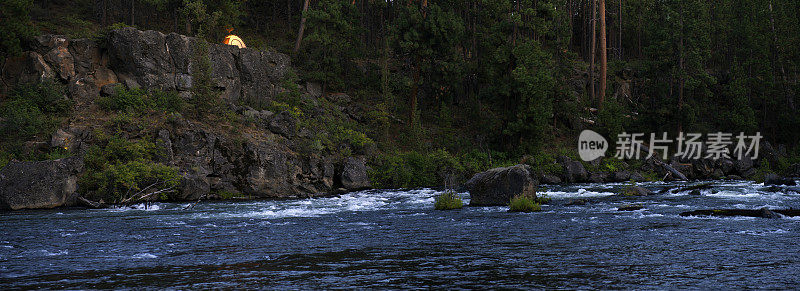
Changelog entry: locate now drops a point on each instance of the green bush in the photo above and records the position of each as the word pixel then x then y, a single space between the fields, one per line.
pixel 31 110
pixel 448 200
pixel 521 203
pixel 414 169
pixel 138 100
pixel 544 163
pixel 117 167
pixel 116 181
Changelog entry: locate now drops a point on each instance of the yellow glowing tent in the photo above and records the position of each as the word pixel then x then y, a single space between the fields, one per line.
pixel 234 40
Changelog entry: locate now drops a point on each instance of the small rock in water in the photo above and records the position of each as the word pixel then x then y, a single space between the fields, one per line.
pixel 766 213
pixel 577 202
pixel 636 191
pixel 630 207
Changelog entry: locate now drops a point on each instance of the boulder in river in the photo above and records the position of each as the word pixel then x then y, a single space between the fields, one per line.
pixel 630 207
pixel 42 184
pixel 774 179
pixel 636 191
pixel 354 174
pixel 763 212
pixel 497 186
pixel 573 170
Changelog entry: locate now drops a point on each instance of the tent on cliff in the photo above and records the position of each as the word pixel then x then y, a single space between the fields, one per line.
pixel 233 40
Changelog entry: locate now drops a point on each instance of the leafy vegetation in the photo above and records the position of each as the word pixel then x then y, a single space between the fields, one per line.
pixel 31 111
pixel 523 203
pixel 15 25
pixel 447 201
pixel 118 168
pixel 139 100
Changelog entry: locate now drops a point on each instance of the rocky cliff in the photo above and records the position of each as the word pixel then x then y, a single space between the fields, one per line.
pixel 267 161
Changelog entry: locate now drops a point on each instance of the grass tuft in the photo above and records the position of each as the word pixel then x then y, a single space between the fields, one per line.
pixel 522 203
pixel 448 200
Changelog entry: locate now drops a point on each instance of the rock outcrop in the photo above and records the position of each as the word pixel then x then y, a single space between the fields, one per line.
pixel 265 162
pixel 146 59
pixel 497 186
pixel 44 184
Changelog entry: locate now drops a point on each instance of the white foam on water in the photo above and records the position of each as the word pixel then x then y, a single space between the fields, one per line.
pixel 580 193
pixel 144 256
pixel 289 212
pixel 763 233
pixel 710 217
pixel 638 214
pixel 52 254
pixel 313 207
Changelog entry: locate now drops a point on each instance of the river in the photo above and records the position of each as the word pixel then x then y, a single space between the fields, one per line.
pixel 394 239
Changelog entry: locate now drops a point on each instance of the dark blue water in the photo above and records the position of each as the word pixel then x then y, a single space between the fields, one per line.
pixel 394 239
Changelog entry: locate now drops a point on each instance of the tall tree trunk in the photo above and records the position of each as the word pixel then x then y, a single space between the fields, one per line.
pixel 133 23
pixel 603 53
pixel 619 39
pixel 593 50
pixel 777 63
pixel 302 27
pixel 682 70
pixel 417 67
pixel 289 14
pixel 516 14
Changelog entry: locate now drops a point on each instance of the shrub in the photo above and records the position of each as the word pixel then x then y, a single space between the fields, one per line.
pixel 522 203
pixel 117 168
pixel 414 169
pixel 117 181
pixel 137 100
pixel 31 110
pixel 448 200
pixel 205 98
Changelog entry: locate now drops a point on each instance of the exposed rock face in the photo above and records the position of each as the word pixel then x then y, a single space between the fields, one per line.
pixel 148 59
pixel 497 186
pixel 45 184
pixel 154 60
pixel 265 163
pixel 256 167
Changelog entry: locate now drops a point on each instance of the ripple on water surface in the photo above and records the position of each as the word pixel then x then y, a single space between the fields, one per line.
pixel 394 239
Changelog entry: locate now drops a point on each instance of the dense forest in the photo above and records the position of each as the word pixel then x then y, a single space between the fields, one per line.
pixel 498 79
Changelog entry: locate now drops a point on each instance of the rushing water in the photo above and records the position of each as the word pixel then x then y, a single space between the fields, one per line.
pixel 394 239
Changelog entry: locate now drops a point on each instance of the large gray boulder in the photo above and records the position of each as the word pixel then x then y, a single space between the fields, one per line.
pixel 497 186
pixel 43 184
pixel 573 170
pixel 354 174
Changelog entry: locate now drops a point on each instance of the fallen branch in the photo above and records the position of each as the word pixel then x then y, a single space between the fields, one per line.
pixel 141 196
pixel 91 204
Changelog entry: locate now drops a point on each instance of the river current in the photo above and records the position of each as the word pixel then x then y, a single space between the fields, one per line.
pixel 395 239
